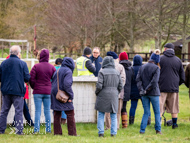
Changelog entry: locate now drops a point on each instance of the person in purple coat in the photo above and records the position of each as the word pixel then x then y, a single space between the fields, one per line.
pixel 65 84
pixel 40 82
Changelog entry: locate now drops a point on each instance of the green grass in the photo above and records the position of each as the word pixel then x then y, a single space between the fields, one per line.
pixel 89 133
pixel 75 72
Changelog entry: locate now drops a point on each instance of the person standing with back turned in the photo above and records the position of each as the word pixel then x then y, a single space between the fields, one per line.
pixel 13 73
pixel 171 77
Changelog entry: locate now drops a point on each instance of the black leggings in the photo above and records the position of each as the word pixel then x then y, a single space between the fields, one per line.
pixel 124 106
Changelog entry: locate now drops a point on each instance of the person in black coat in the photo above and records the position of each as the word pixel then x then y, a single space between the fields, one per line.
pixel 172 75
pixel 65 84
pixel 123 57
pixel 147 83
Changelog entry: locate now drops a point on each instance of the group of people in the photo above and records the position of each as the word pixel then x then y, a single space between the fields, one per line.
pixel 156 82
pixel 119 81
pixel 43 80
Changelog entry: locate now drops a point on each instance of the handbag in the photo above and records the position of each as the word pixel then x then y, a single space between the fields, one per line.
pixel 61 96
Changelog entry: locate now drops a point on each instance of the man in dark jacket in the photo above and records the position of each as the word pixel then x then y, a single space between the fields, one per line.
pixel 147 83
pixel 171 76
pixel 96 60
pixel 13 74
pixel 84 64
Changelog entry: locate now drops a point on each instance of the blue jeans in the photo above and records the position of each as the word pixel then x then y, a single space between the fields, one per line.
pixel 100 124
pixel 156 108
pixel 63 115
pixel 133 108
pixel 38 99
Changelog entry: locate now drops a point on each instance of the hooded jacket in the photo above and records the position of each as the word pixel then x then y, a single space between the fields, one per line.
pixel 108 87
pixel 41 74
pixel 171 73
pixel 65 84
pixel 137 63
pixel 129 76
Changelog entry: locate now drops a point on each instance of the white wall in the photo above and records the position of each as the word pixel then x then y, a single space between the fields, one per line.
pixel 84 101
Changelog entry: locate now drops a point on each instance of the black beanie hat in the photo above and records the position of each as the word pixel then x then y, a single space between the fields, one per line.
pixel 87 51
pixel 169 45
pixel 58 60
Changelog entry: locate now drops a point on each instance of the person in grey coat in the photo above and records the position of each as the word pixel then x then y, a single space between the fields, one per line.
pixel 108 88
pixel 121 70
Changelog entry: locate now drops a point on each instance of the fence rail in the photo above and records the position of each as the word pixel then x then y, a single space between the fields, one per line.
pixel 185 57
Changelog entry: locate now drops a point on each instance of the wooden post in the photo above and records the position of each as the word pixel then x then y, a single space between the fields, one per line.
pixel 183 57
pixel 22 51
pixel 146 57
pixel 2 49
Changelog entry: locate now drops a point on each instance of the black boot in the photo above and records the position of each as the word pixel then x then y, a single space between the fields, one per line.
pixel 149 121
pixel 131 120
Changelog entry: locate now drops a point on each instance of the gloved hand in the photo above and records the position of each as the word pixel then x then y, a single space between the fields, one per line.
pixel 142 92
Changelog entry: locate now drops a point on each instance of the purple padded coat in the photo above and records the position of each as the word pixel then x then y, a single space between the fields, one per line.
pixel 41 74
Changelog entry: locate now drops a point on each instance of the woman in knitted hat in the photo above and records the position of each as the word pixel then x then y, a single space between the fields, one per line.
pixel 147 83
pixel 123 57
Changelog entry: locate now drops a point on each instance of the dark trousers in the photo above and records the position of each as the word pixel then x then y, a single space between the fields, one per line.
pixel 26 115
pixel 17 102
pixel 70 123
pixel 124 106
pixel 133 108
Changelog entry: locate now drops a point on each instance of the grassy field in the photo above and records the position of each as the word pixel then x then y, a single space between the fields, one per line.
pixel 88 131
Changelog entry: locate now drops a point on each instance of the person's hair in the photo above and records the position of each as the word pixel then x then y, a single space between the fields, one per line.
pixel 15 50
pixel 58 61
pixel 96 48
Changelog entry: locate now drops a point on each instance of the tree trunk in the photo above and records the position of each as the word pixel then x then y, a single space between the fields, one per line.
pixel 131 32
pixel 158 41
pixel 184 34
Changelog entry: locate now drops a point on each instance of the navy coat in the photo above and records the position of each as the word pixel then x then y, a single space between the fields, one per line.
pixel 13 73
pixel 171 73
pixel 129 76
pixel 65 84
pixel 147 79
pixel 137 63
pixel 97 62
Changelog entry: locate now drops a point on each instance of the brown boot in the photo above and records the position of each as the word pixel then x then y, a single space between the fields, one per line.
pixel 124 119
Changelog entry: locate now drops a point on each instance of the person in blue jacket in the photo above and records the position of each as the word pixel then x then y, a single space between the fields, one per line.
pixel 96 60
pixel 147 83
pixel 65 84
pixel 58 63
pixel 13 74
pixel 135 96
